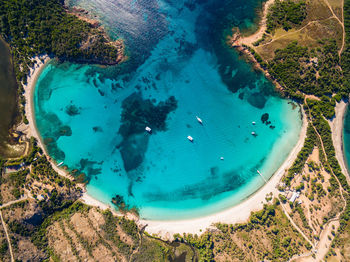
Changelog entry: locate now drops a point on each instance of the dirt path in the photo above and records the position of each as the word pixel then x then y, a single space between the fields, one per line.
pixel 340 22
pixel 300 29
pixel 296 226
pixel 25 197
pixel 249 40
pixel 324 242
pixel 7 236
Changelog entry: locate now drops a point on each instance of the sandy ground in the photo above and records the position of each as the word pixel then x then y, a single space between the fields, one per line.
pixel 337 136
pixel 249 40
pixel 30 129
pixel 236 214
pixel 87 199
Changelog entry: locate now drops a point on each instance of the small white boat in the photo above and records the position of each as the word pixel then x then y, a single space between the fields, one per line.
pixel 190 138
pixel 254 134
pixel 199 120
pixel 148 129
pixel 60 164
pixel 222 158
pixel 253 123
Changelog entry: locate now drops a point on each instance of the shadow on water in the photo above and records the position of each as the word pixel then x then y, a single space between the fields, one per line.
pixel 9 114
pixel 221 17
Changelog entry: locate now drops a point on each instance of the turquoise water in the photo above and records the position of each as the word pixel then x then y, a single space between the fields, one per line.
pixel 94 118
pixel 346 137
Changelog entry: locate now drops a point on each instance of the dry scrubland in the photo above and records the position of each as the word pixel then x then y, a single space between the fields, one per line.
pixel 321 22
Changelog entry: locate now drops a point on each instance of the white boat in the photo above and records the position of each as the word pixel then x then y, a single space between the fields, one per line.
pixel 60 164
pixel 254 134
pixel 222 158
pixel 190 138
pixel 148 129
pixel 253 123
pixel 199 120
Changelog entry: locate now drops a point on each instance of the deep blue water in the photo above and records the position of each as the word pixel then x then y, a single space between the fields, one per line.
pixel 94 118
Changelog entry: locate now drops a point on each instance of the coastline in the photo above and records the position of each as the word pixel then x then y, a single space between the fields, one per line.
pixel 337 126
pixel 249 40
pixel 166 229
pixel 30 130
pixel 236 214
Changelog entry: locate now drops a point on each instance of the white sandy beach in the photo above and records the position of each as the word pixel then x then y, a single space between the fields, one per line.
pixel 166 229
pixel 236 214
pixel 249 40
pixel 30 129
pixel 337 125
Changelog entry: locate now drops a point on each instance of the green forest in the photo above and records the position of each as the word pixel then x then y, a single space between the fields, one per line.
pixel 34 27
pixel 285 14
pixel 44 27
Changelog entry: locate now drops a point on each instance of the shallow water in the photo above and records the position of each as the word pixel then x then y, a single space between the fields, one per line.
pixel 8 94
pixel 346 137
pixel 94 119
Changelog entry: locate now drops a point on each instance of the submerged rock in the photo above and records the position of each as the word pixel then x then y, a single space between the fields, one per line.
pixel 72 110
pixel 264 118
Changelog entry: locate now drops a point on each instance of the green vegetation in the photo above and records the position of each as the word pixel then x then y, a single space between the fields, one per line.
pixel 345 57
pixel 110 229
pixel 3 248
pixel 324 130
pixel 17 180
pixel 39 27
pixel 267 236
pixel 301 70
pixel 286 14
pixel 304 153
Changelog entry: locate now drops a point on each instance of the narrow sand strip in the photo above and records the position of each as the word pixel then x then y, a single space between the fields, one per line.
pixel 337 136
pixel 249 40
pixel 30 129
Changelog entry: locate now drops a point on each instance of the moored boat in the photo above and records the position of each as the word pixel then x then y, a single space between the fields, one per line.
pixel 148 129
pixel 190 138
pixel 199 120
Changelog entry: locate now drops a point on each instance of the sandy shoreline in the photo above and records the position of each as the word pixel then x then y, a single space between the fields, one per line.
pixel 236 214
pixel 249 40
pixel 30 130
pixel 166 229
pixel 337 125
